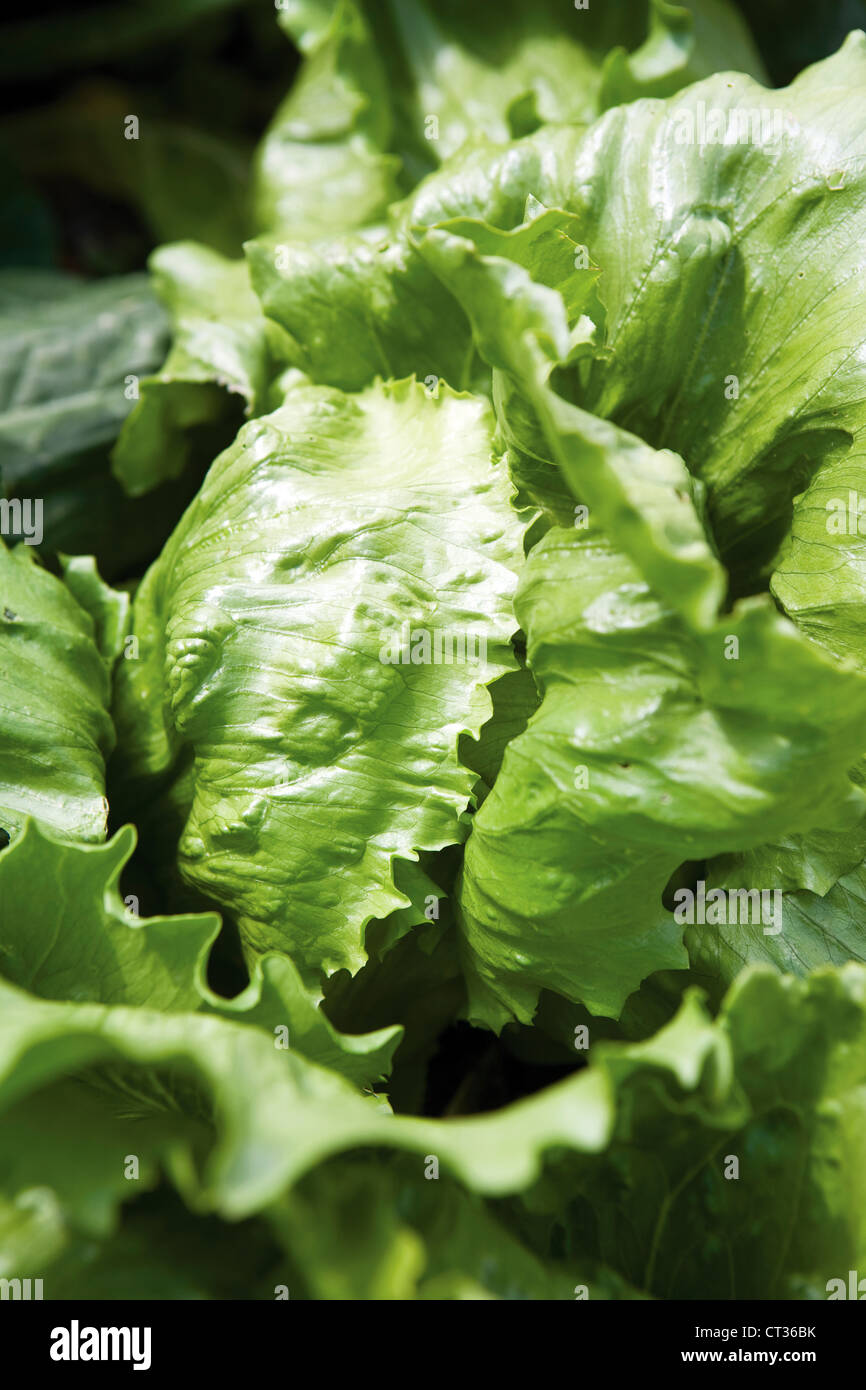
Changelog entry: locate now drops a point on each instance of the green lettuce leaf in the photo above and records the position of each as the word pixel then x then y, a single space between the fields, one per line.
pixel 67 934
pixel 67 352
pixel 747 1182
pixel 685 43
pixel 347 284
pixel 109 608
pixel 652 745
pixel 162 1250
pixel 774 1083
pixel 522 67
pixel 678 344
pixel 55 692
pixel 72 355
pixel 338 535
pixel 700 352
pixel 359 1230
pixel 235 1120
pixel 571 374
pixel 220 349
pixel 322 165
pixel 363 306
pixel 810 929
pixel 522 328
pixel 388 91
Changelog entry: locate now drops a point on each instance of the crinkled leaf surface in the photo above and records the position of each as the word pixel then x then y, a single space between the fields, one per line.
pixel 651 746
pixel 734 299
pixel 712 306
pixel 360 302
pixel 363 306
pixel 338 535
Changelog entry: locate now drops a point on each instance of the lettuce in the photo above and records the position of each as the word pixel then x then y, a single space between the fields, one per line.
pixel 313 642
pixel 436 869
